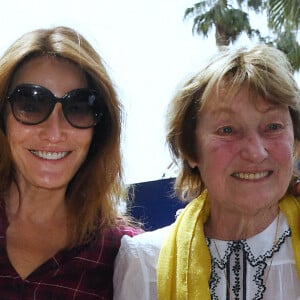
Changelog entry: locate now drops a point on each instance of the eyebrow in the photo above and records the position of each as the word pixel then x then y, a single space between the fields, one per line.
pixel 227 110
pixel 220 110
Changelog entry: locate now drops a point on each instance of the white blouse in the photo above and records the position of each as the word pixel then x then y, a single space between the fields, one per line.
pixel 240 269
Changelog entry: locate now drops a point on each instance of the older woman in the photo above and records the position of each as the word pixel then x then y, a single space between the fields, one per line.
pixel 234 129
pixel 60 169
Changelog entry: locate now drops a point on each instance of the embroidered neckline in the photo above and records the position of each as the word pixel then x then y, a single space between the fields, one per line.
pixel 239 251
pixel 254 261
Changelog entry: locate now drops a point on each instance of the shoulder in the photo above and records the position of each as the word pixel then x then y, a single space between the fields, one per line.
pixel 145 244
pixel 124 230
pixel 104 245
pixel 120 229
pixel 135 265
pixel 109 240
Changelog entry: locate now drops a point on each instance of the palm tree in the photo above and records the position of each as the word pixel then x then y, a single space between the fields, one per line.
pixel 284 20
pixel 286 42
pixel 228 21
pixel 284 13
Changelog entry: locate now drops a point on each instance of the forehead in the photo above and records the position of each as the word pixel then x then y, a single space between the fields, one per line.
pixel 45 64
pixel 50 72
pixel 222 99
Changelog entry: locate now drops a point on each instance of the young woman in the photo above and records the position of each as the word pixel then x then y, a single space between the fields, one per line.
pixel 60 170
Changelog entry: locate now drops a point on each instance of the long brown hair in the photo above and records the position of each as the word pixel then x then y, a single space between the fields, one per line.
pixel 95 191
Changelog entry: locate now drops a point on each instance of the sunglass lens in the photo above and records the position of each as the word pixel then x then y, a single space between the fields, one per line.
pixel 31 106
pixel 81 108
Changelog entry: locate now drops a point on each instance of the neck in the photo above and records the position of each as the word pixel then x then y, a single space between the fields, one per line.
pixel 37 205
pixel 236 226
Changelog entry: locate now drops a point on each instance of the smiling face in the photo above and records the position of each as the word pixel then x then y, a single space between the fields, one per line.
pixel 244 152
pixel 49 154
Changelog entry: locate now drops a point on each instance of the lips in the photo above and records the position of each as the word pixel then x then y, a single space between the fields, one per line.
pixel 251 176
pixel 49 154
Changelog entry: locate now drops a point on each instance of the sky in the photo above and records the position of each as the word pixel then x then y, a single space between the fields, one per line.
pixel 148 50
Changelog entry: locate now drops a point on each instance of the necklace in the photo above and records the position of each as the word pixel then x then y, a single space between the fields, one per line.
pixel 228 288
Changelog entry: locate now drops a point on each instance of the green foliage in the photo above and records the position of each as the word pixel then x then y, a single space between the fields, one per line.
pixel 286 42
pixel 230 22
pixel 256 5
pixel 284 20
pixel 284 13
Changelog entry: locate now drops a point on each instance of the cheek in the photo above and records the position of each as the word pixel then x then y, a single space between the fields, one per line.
pixel 283 151
pixel 218 147
pixel 284 146
pixel 83 138
pixel 16 133
pixel 216 155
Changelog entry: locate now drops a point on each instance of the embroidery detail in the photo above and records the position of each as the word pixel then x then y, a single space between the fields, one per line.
pixel 238 256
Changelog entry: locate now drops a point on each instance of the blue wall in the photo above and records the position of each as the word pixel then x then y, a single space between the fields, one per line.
pixel 153 203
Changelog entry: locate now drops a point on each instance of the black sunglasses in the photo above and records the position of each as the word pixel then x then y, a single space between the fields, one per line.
pixel 33 104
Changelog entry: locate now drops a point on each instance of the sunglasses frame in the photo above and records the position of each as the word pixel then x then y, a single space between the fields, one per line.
pixel 98 103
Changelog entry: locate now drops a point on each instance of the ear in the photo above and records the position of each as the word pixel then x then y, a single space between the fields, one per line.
pixel 192 163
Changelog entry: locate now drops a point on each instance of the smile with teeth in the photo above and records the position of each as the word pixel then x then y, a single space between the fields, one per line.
pixel 49 155
pixel 251 176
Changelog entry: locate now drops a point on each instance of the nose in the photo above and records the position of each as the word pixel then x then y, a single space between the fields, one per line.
pixel 253 147
pixel 54 128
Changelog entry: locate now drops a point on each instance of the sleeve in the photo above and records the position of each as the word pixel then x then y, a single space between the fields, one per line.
pixel 135 270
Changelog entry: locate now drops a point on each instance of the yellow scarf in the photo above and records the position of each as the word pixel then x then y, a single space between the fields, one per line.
pixel 183 272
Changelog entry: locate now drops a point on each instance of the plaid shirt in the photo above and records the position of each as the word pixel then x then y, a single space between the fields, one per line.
pixel 82 273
